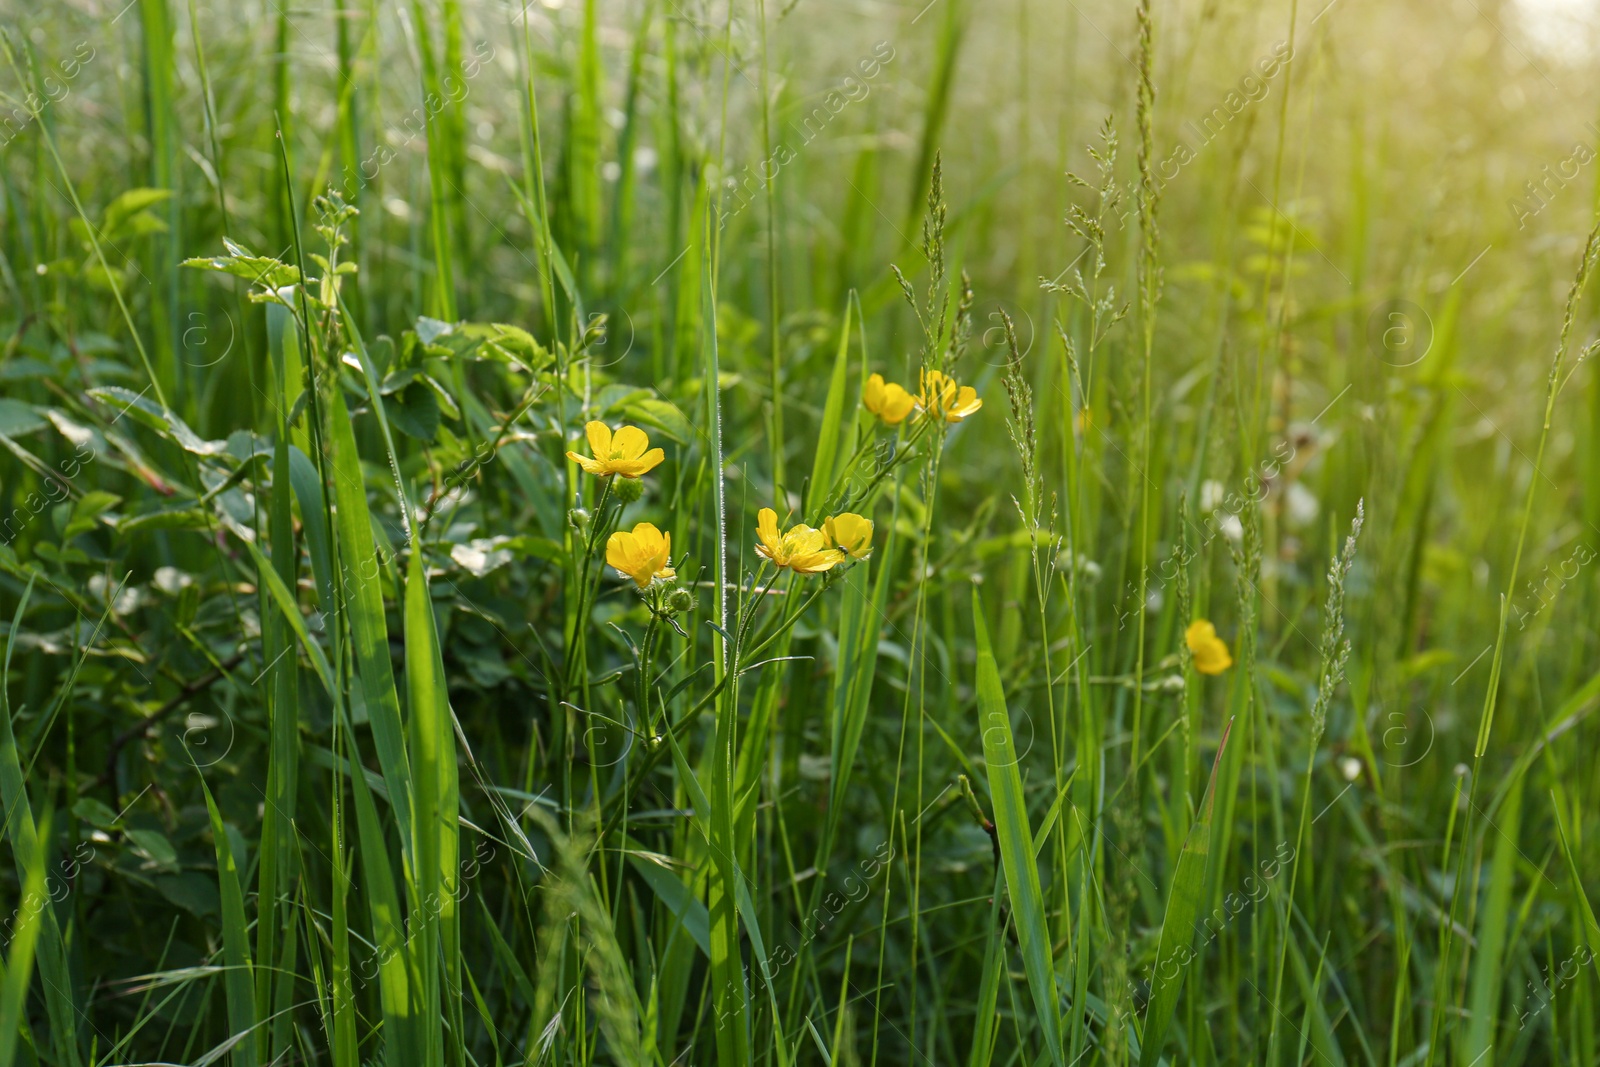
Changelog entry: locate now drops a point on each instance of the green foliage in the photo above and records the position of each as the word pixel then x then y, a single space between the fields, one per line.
pixel 332 728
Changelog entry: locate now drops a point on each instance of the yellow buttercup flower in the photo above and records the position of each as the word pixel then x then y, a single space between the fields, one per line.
pixel 944 398
pixel 849 533
pixel 888 401
pixel 802 548
pixel 1210 651
pixel 641 555
pixel 626 452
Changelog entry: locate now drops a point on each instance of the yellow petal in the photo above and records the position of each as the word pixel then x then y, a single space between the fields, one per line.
pixel 966 403
pixel 622 552
pixel 654 546
pixel 816 562
pixel 593 466
pixel 767 530
pixel 802 540
pixel 1213 659
pixel 872 394
pixel 633 468
pixel 897 405
pixel 599 439
pixel 629 442
pixel 851 533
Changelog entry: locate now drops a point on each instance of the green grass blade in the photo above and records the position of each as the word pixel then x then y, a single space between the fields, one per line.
pixel 1016 838
pixel 986 1019
pixel 361 575
pixel 283 681
pixel 1591 927
pixel 28 850
pixel 1174 950
pixel 584 145
pixel 678 899
pixel 822 464
pixel 1488 959
pixel 19 962
pixel 394 963
pixel 237 982
pixel 862 615
pixel 291 611
pixel 439 198
pixel 435 828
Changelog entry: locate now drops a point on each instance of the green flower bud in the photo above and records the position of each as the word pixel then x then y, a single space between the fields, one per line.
pixel 679 601
pixel 578 519
pixel 627 490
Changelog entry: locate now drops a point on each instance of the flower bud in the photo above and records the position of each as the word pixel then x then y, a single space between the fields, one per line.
pixel 578 519
pixel 679 601
pixel 627 490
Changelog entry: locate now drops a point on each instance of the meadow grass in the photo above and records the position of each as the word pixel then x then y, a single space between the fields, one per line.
pixel 678 533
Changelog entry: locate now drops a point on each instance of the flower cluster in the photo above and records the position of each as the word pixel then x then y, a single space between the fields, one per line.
pixel 645 553
pixel 940 396
pixel 807 550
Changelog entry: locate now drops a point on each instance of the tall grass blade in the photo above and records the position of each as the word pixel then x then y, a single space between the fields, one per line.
pixel 1174 950
pixel 1016 839
pixel 19 957
pixel 833 408
pixel 237 980
pixel 29 850
pixel 437 804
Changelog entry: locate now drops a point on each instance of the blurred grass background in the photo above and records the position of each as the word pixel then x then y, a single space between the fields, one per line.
pixel 1348 274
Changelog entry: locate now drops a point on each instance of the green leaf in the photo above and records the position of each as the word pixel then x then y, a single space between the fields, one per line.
pixel 18 418
pixel 1016 838
pixel 242 263
pixel 87 511
pixel 161 420
pixel 95 813
pixel 661 414
pixel 414 411
pixel 129 204
pixel 155 847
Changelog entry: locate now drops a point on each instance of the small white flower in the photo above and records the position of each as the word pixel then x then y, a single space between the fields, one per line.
pixel 1301 505
pixel 128 598
pixel 1231 527
pixel 172 581
pixel 1350 767
pixel 1211 494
